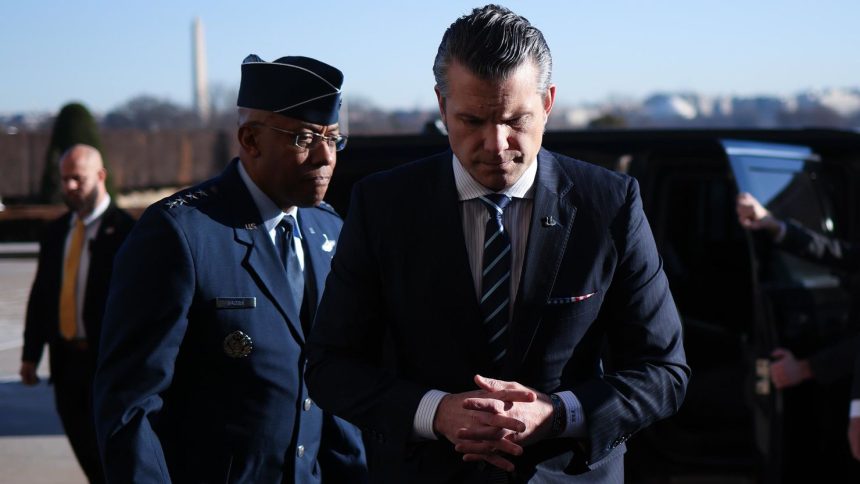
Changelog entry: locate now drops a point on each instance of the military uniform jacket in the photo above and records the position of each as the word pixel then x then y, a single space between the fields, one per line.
pixel 201 375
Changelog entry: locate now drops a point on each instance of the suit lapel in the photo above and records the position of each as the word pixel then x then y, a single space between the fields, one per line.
pixel 319 247
pixel 261 259
pixel 552 219
pixel 107 228
pixel 454 274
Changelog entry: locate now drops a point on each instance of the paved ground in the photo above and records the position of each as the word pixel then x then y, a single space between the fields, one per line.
pixel 33 448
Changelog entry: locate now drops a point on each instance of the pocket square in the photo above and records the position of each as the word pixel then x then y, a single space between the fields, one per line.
pixel 568 300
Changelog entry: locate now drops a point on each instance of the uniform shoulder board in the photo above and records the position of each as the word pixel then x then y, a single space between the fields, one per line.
pixel 190 196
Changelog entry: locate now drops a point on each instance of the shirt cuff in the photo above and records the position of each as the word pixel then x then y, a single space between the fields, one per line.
pixel 422 424
pixel 575 417
pixel 855 408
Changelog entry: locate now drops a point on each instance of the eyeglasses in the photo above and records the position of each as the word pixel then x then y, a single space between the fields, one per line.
pixel 307 140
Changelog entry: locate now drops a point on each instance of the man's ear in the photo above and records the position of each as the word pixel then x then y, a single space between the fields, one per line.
pixel 441 99
pixel 248 140
pixel 549 99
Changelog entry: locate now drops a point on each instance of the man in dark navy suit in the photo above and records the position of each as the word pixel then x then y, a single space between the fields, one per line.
pixel 201 376
pixel 68 297
pixel 829 364
pixel 497 312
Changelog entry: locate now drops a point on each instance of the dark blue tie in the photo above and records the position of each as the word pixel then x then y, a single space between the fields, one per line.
pixel 295 278
pixel 496 277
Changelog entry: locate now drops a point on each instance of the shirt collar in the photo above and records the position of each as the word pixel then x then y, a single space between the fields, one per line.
pixel 269 211
pixel 469 188
pixel 94 215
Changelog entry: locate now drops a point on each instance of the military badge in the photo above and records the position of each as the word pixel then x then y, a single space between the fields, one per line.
pixel 328 245
pixel 238 345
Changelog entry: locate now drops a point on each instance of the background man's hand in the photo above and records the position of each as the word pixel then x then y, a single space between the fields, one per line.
pixel 854 436
pixel 28 373
pixel 787 371
pixel 752 215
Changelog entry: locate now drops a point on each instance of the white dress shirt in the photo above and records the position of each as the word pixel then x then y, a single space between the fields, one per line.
pixel 272 214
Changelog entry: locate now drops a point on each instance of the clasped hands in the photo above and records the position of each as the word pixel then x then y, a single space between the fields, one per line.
pixel 495 421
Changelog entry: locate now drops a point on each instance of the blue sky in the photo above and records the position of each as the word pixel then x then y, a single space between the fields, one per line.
pixel 102 53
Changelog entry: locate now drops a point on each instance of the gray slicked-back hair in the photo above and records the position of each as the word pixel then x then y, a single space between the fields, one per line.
pixel 492 42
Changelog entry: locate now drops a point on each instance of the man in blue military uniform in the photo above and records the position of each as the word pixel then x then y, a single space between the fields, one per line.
pixel 201 374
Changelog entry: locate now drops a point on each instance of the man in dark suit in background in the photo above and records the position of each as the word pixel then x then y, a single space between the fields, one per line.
pixel 201 376
pixel 497 312
pixel 832 363
pixel 68 296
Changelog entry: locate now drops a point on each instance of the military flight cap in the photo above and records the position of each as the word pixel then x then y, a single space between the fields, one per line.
pixel 293 86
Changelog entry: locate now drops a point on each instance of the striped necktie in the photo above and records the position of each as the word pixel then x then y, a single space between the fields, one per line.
pixel 496 277
pixel 69 289
pixel 295 278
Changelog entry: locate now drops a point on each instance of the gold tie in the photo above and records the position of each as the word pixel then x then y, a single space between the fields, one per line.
pixel 68 293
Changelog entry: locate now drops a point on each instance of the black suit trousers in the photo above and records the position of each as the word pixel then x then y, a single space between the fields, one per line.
pixel 72 371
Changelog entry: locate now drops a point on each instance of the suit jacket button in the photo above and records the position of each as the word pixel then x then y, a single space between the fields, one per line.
pixel 300 450
pixel 307 404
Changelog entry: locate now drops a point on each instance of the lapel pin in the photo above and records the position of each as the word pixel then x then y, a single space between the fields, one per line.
pixel 548 221
pixel 311 230
pixel 328 245
pixel 251 226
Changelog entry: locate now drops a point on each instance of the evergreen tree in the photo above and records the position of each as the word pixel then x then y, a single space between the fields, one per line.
pixel 74 124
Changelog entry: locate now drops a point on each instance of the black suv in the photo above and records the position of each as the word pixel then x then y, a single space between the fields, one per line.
pixel 738 296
